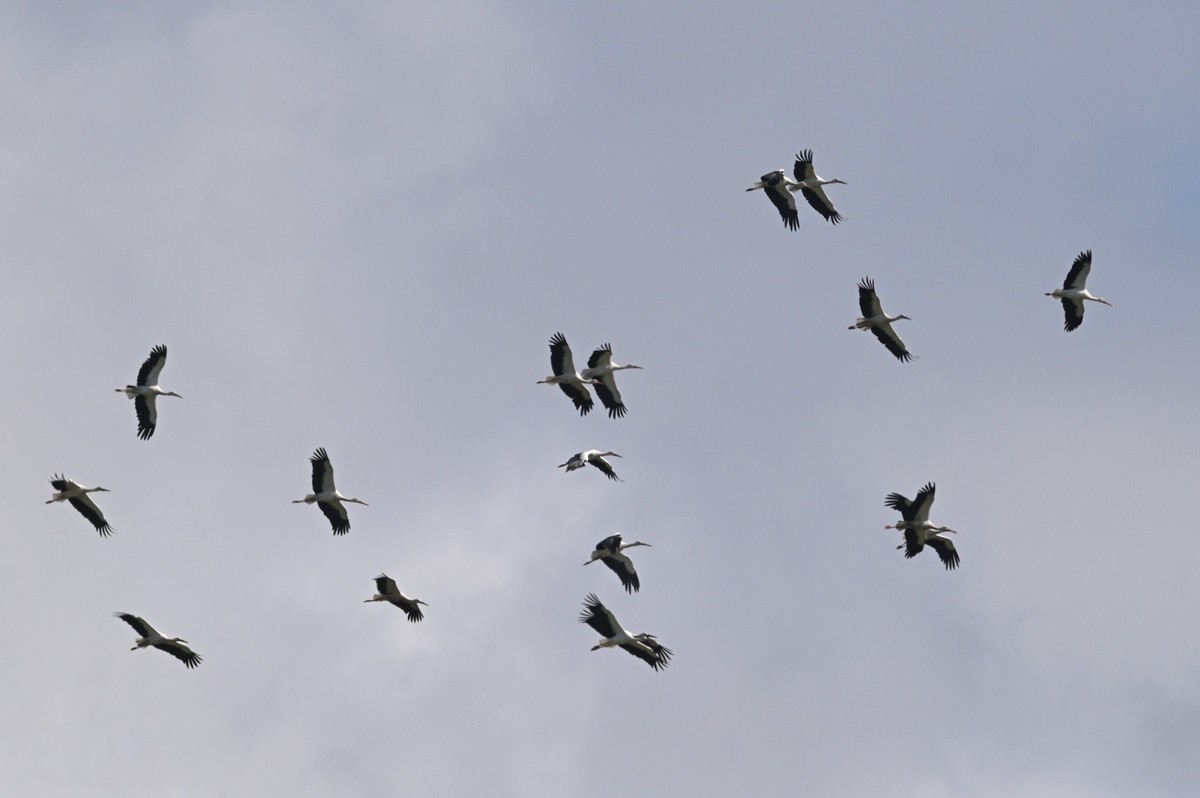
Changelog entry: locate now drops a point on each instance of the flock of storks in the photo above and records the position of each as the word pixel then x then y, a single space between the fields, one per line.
pixel 918 530
pixel 599 375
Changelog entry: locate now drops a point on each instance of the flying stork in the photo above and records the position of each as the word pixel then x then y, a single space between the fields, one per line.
pixel 1073 292
pixel 71 491
pixel 779 188
pixel 810 186
pixel 566 377
pixel 610 551
pixel 326 495
pixel 601 371
pixel 874 319
pixel 147 391
pixel 592 457
pixel 644 646
pixel 918 530
pixel 390 593
pixel 148 636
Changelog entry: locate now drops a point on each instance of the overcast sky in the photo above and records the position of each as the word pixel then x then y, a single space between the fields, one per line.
pixel 357 225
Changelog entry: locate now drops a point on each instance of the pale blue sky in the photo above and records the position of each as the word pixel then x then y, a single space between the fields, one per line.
pixel 357 228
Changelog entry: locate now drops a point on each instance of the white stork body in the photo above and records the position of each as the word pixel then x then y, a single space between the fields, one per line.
pixel 593 457
pixel 326 495
pixel 147 390
pixel 1074 292
pixel 566 377
pixel 810 185
pixel 601 371
pixel 148 636
pixel 644 646
pixel 610 551
pixel 918 530
pixel 879 323
pixel 390 593
pixel 70 491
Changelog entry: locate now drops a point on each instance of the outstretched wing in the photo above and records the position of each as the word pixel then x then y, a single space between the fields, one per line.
pixel 335 511
pixel 620 564
pixel 152 366
pixel 606 389
pixel 599 617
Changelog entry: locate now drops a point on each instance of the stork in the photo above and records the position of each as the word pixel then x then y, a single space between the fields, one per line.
pixel 147 390
pixel 918 530
pixel 148 636
pixel 778 187
pixel 390 593
pixel 810 185
pixel 326 495
pixel 610 551
pixel 592 457
pixel 644 646
pixel 71 491
pixel 566 377
pixel 874 319
pixel 1073 291
pixel 601 371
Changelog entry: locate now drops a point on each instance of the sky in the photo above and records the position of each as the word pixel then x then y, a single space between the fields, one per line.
pixel 356 227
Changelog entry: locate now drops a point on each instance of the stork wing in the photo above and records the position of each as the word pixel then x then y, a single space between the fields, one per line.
pixel 335 511
pixel 803 169
pixel 561 361
pixel 913 543
pixel 622 566
pixel 1073 313
pixel 322 472
pixel 658 655
pixel 601 357
pixel 945 549
pixel 140 626
pixel 597 616
pixel 821 203
pixel 901 503
pixel 868 300
pixel 1080 269
pixel 61 483
pixel 923 503
pixel 88 509
pixel 606 389
pixel 579 395
pixel 147 414
pixel 386 586
pixel 610 543
pixel 888 337
pixel 603 465
pixel 152 366
pixel 413 610
pixel 785 203
pixel 180 652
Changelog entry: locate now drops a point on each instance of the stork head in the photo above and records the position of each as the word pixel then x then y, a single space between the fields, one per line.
pixel 608 454
pixel 172 393
pixel 836 180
